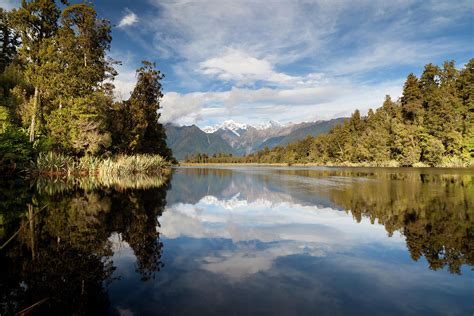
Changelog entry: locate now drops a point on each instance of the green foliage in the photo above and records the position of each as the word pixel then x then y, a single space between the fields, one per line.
pixel 8 39
pixel 144 134
pixel 79 127
pixel 57 83
pixel 15 150
pixel 433 150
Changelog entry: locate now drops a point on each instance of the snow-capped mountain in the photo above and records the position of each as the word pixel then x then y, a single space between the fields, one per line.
pixel 240 139
pixel 270 124
pixel 244 138
pixel 229 125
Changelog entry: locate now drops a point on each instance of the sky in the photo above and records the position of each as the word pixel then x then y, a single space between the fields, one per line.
pixel 288 61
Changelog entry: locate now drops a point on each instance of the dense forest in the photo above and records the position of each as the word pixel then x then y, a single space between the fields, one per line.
pixel 56 89
pixel 432 124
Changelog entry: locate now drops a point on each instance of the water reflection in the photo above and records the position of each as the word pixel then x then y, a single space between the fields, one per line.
pixel 57 248
pixel 432 209
pixel 249 240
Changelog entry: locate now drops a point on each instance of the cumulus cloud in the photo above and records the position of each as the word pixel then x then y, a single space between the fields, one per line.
pixel 128 19
pixel 324 101
pixel 243 69
pixel 296 60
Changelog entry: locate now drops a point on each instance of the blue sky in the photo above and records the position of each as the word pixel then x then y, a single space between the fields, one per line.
pixel 290 61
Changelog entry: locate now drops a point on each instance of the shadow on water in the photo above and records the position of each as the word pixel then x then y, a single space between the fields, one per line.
pixel 55 235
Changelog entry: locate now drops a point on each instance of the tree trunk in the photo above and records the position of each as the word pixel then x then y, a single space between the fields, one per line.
pixel 31 217
pixel 34 114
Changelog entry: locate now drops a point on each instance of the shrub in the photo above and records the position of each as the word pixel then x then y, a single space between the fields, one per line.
pixel 16 151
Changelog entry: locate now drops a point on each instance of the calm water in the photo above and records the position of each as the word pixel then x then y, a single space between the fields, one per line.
pixel 238 241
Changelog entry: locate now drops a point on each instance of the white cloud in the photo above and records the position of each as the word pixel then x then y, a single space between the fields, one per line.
pixel 243 69
pixel 128 19
pixel 242 220
pixel 126 79
pixel 291 60
pixel 291 229
pixel 324 101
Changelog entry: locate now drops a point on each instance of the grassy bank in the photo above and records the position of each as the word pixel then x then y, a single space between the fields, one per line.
pixel 52 164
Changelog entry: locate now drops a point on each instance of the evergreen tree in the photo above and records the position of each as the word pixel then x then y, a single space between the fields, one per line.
pixel 9 41
pixel 35 21
pixel 433 124
pixel 465 90
pixel 411 100
pixel 146 134
pixel 78 101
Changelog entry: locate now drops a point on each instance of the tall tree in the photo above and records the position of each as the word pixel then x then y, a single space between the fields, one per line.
pixel 78 97
pixel 412 100
pixel 9 41
pixel 85 40
pixel 147 135
pixel 465 87
pixel 35 21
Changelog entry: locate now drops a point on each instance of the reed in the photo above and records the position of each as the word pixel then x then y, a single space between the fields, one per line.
pixel 52 164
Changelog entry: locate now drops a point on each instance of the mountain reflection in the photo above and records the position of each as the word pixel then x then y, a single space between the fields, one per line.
pixel 57 248
pixel 61 239
pixel 432 209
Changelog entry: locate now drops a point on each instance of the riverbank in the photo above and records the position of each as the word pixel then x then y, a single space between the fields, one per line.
pixel 388 164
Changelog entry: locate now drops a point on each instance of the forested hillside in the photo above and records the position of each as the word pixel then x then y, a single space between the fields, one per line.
pixel 56 88
pixel 187 140
pixel 304 130
pixel 432 124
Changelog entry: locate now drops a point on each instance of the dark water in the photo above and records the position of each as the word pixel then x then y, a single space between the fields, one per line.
pixel 222 241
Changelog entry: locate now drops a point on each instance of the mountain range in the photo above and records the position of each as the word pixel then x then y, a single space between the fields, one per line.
pixel 238 138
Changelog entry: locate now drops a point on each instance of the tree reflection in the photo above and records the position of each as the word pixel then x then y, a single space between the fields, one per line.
pixel 432 208
pixel 138 225
pixel 60 255
pixel 434 212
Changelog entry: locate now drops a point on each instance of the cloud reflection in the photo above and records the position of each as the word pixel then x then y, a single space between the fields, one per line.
pixel 263 231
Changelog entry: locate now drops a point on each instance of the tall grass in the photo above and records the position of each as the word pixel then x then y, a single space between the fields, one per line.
pixel 128 165
pixel 123 165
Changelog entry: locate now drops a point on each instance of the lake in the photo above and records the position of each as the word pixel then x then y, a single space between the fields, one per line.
pixel 241 241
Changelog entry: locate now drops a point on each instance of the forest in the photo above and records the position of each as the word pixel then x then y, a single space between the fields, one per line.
pixel 57 106
pixel 431 124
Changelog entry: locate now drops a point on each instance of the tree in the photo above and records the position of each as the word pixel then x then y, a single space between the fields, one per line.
pixel 79 127
pixel 432 150
pixel 412 99
pixel 146 134
pixel 8 40
pixel 465 91
pixel 84 41
pixel 35 21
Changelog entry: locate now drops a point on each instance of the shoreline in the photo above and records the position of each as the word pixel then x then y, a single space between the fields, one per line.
pixel 332 165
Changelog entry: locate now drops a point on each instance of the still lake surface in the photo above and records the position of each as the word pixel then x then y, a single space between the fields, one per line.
pixel 241 241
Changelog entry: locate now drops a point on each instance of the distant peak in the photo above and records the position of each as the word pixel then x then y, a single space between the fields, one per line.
pixel 270 124
pixel 229 125
pixel 235 127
